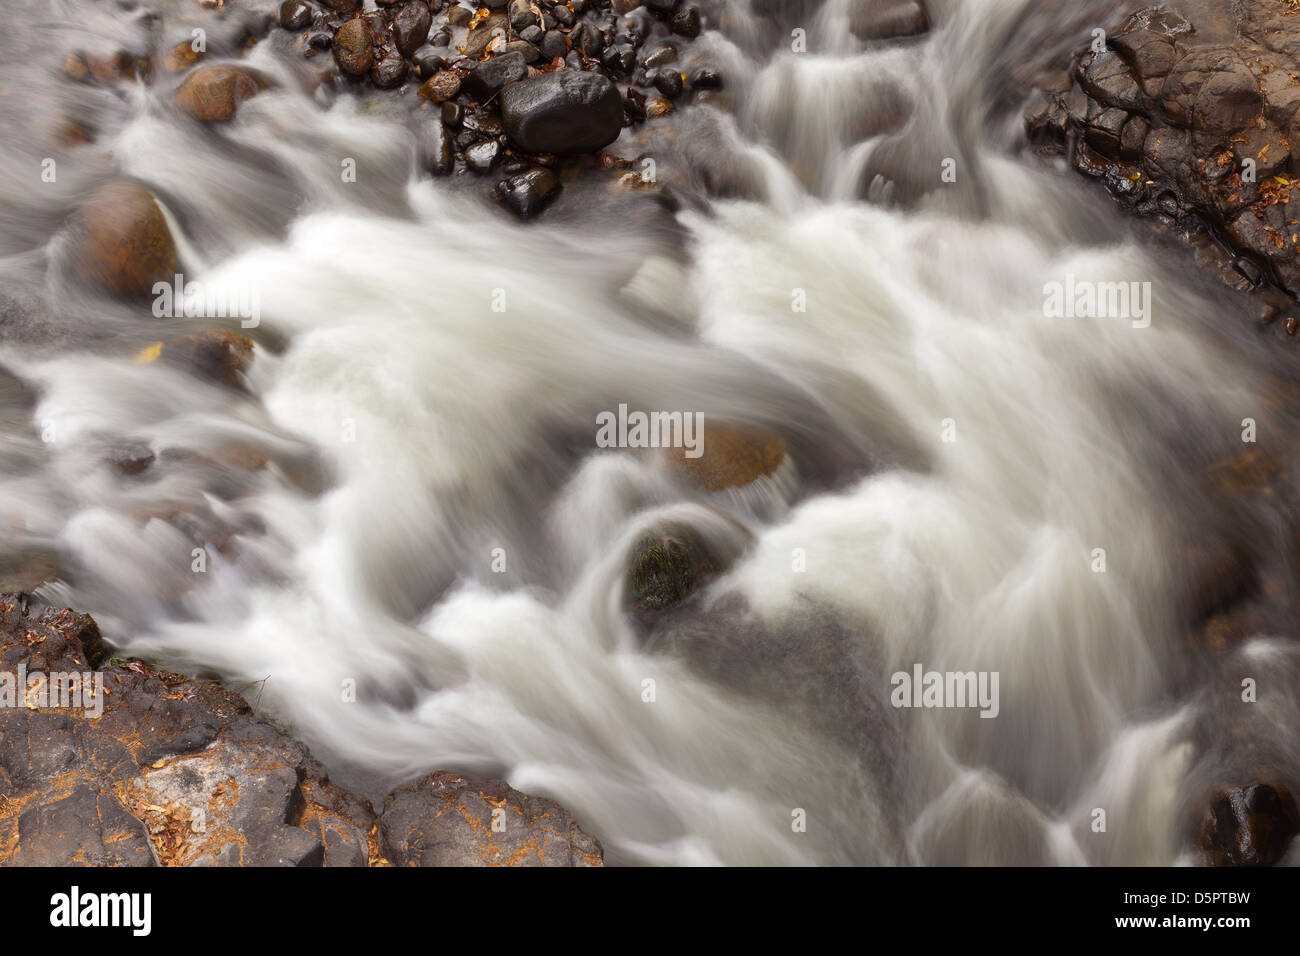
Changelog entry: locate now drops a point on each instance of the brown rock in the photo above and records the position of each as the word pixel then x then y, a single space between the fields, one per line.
pixel 483 34
pixel 733 456
pixel 27 570
pixel 216 354
pixel 181 57
pixel 173 770
pixel 447 819
pixel 441 87
pixel 354 47
pixel 1249 826
pixel 659 107
pixel 126 246
pixel 211 94
pixel 410 28
pixel 887 19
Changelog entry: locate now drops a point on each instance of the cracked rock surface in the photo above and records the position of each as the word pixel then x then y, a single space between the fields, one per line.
pixel 155 768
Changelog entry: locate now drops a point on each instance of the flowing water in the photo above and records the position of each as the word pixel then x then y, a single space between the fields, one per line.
pixel 957 456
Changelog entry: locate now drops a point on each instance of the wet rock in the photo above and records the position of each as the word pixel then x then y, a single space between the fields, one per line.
pixel 706 78
pixel 353 47
pixel 84 824
pixel 295 15
pixel 658 108
pixel 553 45
pixel 170 771
pixel 447 819
pixel 1249 826
pixel 483 157
pixel 887 19
pixel 1188 113
pixel 667 565
pixel 522 15
pixel 587 39
pixel 132 459
pixel 1107 79
pixel 1104 129
pixel 218 355
pixel 342 6
pixel 26 571
pixel 388 72
pixel 669 83
pixel 660 55
pixel 107 67
pixel 437 149
pixel 429 63
pixel 491 76
pixel 1133 138
pixel 125 246
pixel 211 94
pixel 634 103
pixel 166 769
pixel 530 192
pixel 523 48
pixel 483 34
pixel 686 22
pixel 661 6
pixel 441 87
pixel 410 28
pixel 181 57
pixel 619 60
pixel 1226 101
pixel 732 456
pixel 563 112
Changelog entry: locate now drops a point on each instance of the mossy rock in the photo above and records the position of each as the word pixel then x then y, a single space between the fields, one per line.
pixel 667 565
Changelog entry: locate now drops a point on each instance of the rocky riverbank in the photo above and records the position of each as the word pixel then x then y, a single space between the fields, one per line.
pixel 1187 112
pixel 148 767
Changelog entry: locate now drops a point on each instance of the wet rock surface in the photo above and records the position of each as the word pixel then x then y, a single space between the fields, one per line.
pixel 1251 825
pixel 1185 111
pixel 447 819
pixel 145 767
pixel 732 456
pixel 565 112
pixel 212 94
pixel 874 20
pixel 124 245
pixel 667 565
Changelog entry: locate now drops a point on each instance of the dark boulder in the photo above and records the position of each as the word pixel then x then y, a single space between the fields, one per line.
pixel 491 76
pixel 528 193
pixel 410 28
pixel 563 112
pixel 1249 826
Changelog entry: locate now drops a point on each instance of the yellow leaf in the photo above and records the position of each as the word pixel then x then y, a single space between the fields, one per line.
pixel 149 354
